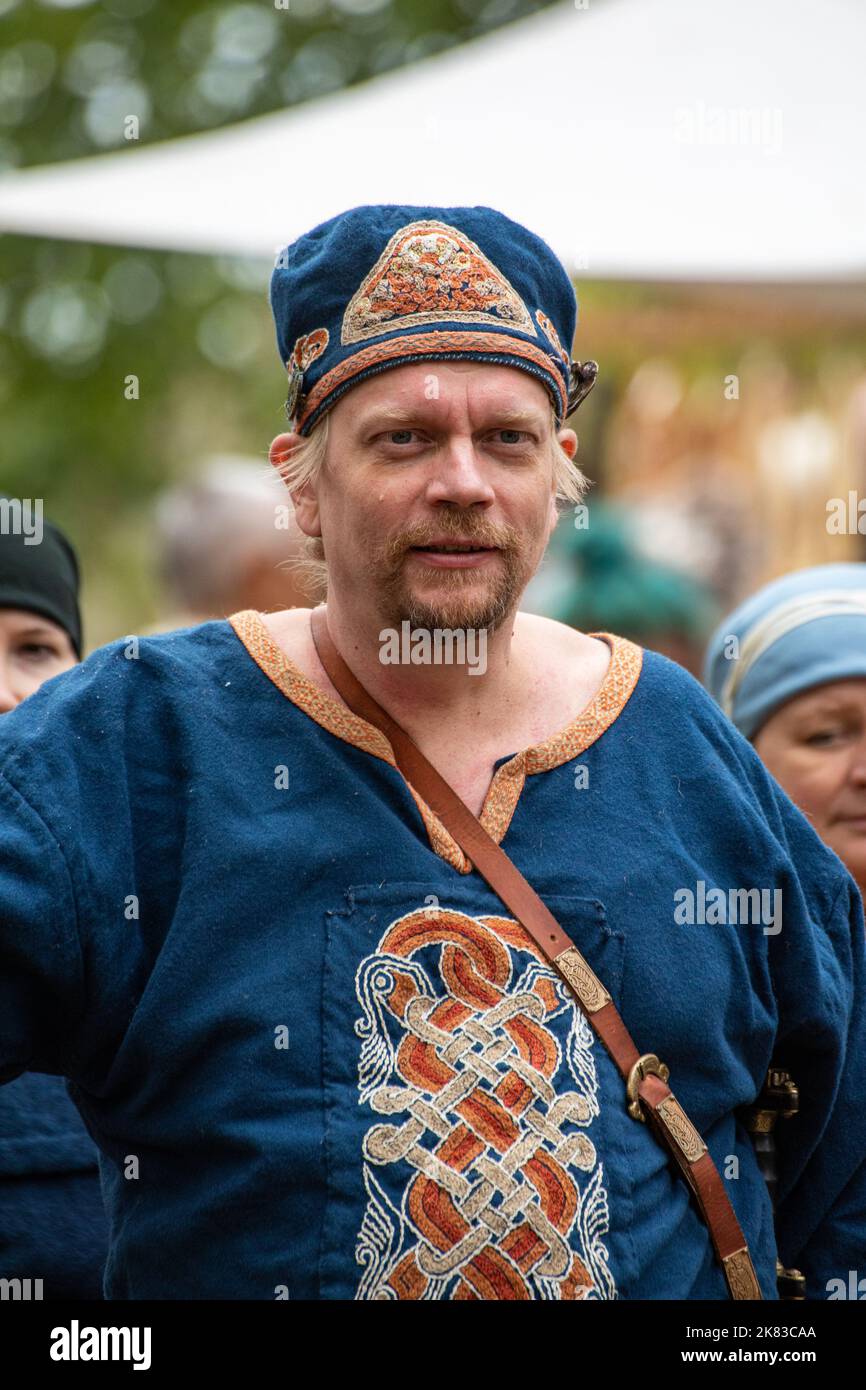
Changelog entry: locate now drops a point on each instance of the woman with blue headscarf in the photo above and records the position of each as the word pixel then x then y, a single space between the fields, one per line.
pixel 789 668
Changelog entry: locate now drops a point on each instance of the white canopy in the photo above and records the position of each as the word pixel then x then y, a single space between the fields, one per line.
pixel 641 138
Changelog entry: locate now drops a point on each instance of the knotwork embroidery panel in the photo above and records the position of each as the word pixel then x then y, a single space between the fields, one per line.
pixel 476 1105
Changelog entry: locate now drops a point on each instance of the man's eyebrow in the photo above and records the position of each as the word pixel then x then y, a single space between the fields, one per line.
pixel 394 415
pixel 518 417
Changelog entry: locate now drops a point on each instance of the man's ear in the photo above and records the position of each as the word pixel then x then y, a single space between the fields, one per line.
pixel 568 440
pixel 304 498
pixel 282 448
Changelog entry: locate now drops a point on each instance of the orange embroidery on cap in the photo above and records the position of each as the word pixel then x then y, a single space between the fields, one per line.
pixel 309 347
pixel 427 345
pixel 552 334
pixel 432 273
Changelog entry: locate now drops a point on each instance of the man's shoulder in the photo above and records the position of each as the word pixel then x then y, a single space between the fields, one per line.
pixel 689 709
pixel 179 651
pixel 679 722
pixel 131 681
pixel 719 774
pixel 660 686
pixel 571 661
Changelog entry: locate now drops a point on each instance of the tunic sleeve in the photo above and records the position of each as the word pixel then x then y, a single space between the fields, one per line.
pixel 821 1215
pixel 41 972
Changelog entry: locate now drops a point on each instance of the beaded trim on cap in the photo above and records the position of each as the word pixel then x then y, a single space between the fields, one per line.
pixel 460 344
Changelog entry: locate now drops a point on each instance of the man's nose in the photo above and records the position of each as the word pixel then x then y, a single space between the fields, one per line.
pixel 458 475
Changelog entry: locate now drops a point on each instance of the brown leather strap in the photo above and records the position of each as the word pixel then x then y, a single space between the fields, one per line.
pixel 651 1098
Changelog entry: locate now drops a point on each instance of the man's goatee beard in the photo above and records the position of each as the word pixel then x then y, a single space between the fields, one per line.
pixel 454 605
pixel 457 607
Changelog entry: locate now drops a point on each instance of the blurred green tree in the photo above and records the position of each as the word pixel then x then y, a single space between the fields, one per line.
pixel 121 369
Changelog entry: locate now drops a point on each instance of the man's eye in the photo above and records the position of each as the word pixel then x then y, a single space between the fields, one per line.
pixel 510 436
pixel 400 436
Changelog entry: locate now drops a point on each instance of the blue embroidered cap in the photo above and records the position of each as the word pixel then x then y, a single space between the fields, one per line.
pixel 806 629
pixel 386 284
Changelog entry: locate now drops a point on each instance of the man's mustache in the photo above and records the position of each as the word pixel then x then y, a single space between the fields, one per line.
pixel 451 528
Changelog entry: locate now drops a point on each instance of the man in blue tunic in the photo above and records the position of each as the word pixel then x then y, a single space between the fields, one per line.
pixel 319 1056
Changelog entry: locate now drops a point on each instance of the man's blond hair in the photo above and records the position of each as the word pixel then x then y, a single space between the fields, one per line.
pixel 306 462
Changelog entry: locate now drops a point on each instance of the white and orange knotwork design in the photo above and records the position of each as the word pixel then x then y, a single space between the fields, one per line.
pixel 431 272
pixel 482 1180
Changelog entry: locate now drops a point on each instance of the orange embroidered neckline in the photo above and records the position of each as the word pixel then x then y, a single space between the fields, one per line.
pixel 500 803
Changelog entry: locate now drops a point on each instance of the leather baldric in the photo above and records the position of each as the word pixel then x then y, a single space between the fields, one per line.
pixel 649 1097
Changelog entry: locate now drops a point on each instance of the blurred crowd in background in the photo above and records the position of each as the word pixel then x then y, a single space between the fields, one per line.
pixel 721 447
pixel 725 420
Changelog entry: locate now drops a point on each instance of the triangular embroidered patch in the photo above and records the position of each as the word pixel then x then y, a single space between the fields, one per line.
pixel 432 273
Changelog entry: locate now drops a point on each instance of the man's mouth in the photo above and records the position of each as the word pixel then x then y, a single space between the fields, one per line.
pixel 455 543
pixel 454 553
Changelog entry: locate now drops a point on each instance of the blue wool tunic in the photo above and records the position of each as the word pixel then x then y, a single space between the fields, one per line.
pixel 319 1058
pixel 52 1221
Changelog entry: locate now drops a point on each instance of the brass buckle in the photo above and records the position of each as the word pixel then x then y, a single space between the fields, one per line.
pixel 647 1065
pixel 790 1282
pixel 779 1098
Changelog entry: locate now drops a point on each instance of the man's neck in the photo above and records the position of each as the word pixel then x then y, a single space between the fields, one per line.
pixel 454 676
pixel 540 675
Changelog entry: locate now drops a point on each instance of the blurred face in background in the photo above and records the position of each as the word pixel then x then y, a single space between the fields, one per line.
pixel 32 650
pixel 815 746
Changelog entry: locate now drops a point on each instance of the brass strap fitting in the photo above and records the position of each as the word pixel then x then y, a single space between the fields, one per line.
pixel 647 1065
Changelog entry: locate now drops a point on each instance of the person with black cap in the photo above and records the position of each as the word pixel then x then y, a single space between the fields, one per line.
pixel 53 1228
pixel 40 621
